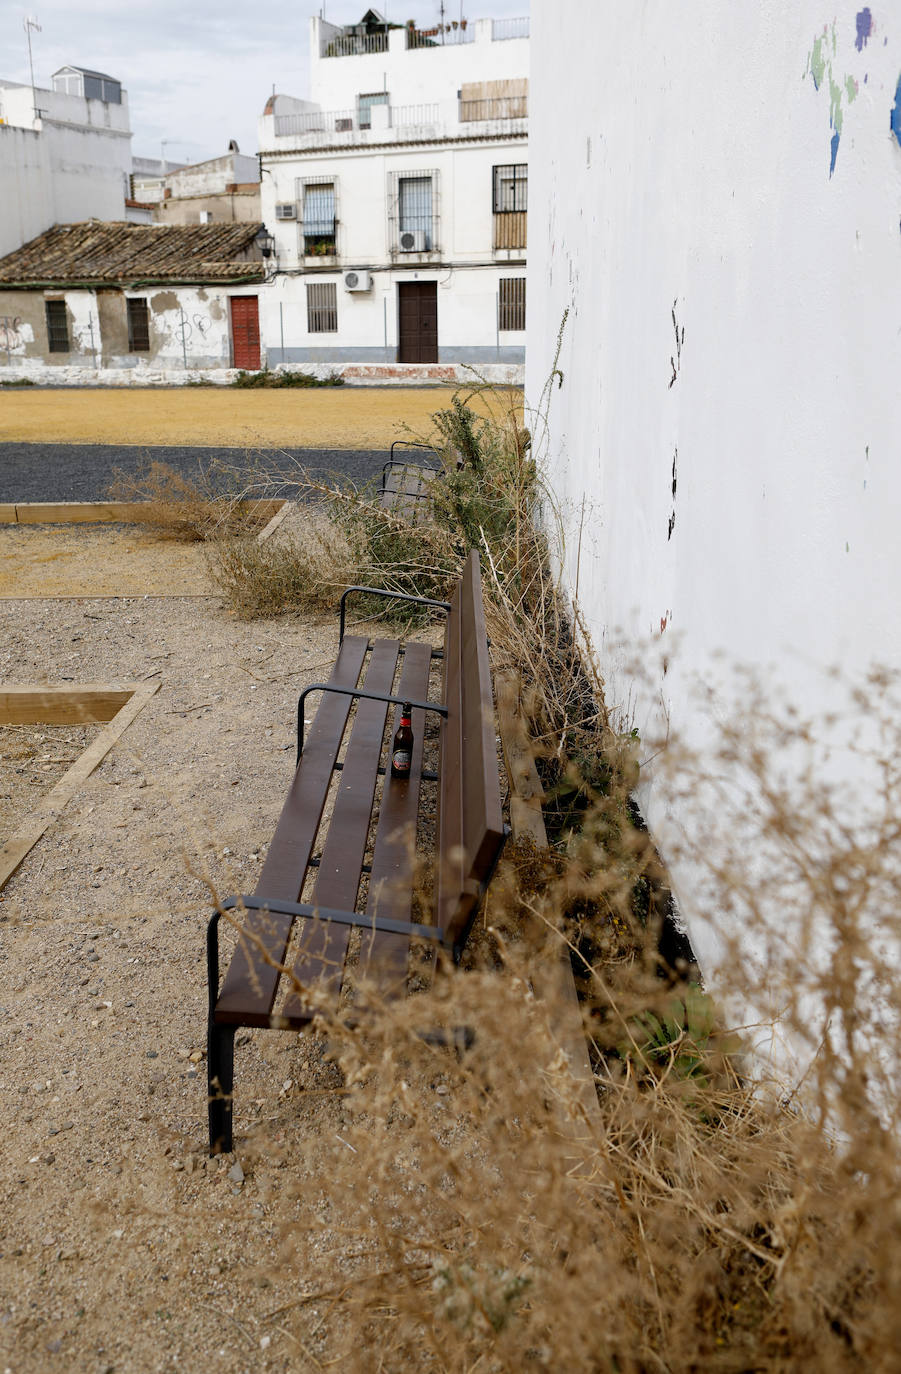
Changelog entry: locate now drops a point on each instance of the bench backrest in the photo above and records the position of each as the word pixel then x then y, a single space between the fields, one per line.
pixel 470 820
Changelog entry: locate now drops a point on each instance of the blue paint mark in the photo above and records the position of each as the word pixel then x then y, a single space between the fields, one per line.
pixel 834 146
pixel 895 122
pixel 864 28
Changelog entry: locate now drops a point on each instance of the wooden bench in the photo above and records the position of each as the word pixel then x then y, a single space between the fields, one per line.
pixel 259 989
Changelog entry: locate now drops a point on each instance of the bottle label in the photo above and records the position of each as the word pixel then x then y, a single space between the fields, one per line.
pixel 400 760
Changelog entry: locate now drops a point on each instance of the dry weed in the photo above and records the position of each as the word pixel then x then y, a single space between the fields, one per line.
pixel 181 507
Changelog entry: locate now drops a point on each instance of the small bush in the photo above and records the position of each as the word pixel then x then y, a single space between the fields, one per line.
pixel 282 575
pixel 265 378
pixel 18 381
pixel 182 507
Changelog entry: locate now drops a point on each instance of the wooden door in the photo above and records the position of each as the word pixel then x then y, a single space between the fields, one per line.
pixel 418 322
pixel 245 312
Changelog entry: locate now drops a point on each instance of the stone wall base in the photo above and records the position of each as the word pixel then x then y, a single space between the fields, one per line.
pixel 354 374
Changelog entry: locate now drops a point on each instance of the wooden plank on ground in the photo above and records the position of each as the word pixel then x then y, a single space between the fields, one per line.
pixel 63 704
pixel 26 837
pixel 284 510
pixel 106 512
pixel 552 980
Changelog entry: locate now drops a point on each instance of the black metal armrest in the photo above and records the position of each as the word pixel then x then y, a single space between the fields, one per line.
pixel 383 591
pixel 339 917
pixel 358 692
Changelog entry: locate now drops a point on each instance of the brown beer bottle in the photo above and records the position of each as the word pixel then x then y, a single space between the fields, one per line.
pixel 402 748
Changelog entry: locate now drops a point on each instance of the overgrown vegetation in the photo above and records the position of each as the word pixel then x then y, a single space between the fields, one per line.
pixel 17 381
pixel 266 378
pixel 692 1215
pixel 193 508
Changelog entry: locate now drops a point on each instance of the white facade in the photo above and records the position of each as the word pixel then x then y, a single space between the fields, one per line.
pixel 389 174
pixel 70 162
pixel 720 214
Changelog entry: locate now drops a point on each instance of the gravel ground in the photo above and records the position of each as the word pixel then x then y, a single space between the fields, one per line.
pixel 83 472
pixel 122 1247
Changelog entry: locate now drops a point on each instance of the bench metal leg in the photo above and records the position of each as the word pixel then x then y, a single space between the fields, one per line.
pixel 220 1081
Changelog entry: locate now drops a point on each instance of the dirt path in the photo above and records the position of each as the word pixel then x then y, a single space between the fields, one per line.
pixel 123 1248
pixel 328 417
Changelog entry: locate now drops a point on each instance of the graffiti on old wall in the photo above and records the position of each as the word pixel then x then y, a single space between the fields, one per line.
pixel 14 335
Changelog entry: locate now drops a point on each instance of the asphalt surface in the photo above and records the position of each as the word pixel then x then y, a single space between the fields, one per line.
pixel 84 472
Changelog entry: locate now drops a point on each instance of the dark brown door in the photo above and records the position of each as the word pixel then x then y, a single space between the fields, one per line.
pixel 246 331
pixel 418 314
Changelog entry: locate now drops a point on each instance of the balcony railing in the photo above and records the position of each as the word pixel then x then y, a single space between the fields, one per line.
pixel 353 44
pixel 317 122
pixel 509 28
pixel 440 37
pixel 494 107
pixel 349 121
pixel 409 116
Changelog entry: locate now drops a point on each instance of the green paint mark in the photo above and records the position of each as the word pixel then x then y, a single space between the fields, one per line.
pixel 836 118
pixel 851 89
pixel 816 62
pixel 847 547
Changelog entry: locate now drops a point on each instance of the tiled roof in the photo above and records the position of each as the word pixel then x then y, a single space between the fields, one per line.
pixel 118 253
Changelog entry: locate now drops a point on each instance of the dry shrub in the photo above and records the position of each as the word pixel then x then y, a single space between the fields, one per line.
pixel 473 1210
pixel 182 507
pixel 286 573
pixel 466 1210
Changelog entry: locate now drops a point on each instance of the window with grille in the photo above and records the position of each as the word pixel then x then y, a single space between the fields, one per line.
pixel 138 326
pixel 414 209
pixel 322 307
pixel 511 188
pixel 318 210
pixel 57 326
pixel 511 303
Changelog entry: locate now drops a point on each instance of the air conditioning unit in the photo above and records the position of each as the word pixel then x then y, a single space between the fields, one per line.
pixel 286 211
pixel 357 281
pixel 413 241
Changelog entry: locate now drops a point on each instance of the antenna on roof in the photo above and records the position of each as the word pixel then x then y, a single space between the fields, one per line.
pixel 29 23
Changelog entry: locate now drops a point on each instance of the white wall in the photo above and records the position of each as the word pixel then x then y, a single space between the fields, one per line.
pixel 73 164
pixel 694 178
pixel 26 200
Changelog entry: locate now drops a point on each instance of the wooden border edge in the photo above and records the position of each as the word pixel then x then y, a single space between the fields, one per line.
pixel 23 840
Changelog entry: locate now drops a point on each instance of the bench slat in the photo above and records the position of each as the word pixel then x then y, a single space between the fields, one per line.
pixel 450 875
pixel 470 793
pixel 250 986
pixel 483 820
pixel 390 883
pixel 323 946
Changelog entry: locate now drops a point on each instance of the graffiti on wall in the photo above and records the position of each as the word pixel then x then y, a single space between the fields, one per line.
pixel 11 340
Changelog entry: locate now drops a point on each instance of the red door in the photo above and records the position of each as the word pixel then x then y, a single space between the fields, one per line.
pixel 245 332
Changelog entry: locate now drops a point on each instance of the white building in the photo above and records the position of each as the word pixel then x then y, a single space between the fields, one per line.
pixel 397 196
pixel 65 154
pixel 222 189
pixel 719 213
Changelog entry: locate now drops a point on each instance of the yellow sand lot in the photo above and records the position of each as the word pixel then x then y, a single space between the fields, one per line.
pixel 330 417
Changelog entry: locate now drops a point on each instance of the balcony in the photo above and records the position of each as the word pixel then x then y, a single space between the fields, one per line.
pixel 320 127
pixel 366 40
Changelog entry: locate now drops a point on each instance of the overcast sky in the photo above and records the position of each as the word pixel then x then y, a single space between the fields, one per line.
pixel 197 72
